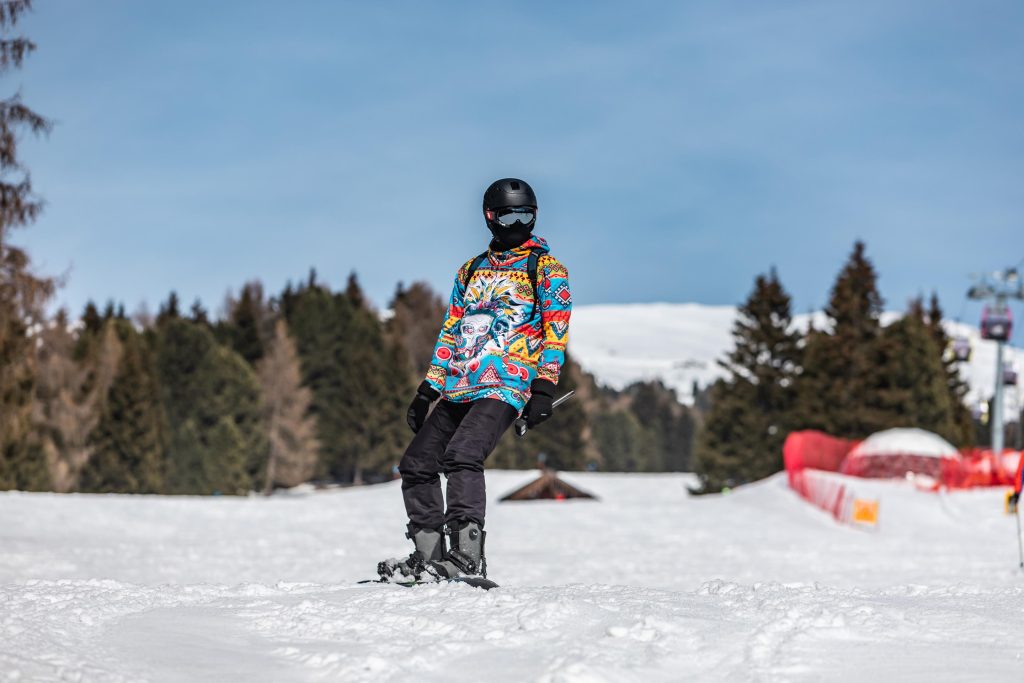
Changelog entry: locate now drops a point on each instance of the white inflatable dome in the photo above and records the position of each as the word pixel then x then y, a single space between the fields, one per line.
pixel 905 442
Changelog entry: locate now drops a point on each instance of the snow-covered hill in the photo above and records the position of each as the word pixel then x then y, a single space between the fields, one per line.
pixel 680 344
pixel 646 585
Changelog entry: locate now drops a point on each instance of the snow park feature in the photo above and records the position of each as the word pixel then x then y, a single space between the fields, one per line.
pixel 649 585
pixel 895 453
pixel 832 473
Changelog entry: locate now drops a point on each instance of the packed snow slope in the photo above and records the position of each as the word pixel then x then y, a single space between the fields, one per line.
pixel 647 584
pixel 681 343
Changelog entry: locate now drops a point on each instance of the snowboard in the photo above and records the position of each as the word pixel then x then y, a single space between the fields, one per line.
pixel 474 581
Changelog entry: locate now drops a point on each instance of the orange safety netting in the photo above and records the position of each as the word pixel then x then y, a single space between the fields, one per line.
pixel 819 451
pixel 896 466
pixel 809 453
pixel 980 467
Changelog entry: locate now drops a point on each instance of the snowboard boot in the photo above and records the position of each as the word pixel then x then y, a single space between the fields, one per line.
pixel 429 547
pixel 465 556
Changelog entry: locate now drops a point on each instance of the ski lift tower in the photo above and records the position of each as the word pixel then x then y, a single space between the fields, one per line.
pixel 996 289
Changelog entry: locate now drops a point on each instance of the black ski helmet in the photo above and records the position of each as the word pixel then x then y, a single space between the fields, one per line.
pixel 509 192
pixel 504 194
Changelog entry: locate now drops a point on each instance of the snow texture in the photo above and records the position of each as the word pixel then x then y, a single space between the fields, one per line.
pixel 648 584
pixel 902 441
pixel 681 343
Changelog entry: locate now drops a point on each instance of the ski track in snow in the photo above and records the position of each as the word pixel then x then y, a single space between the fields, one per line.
pixel 645 585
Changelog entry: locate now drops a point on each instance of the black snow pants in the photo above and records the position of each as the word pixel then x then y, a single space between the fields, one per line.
pixel 455 440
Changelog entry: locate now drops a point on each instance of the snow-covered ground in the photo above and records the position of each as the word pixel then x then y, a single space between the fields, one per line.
pixel 646 585
pixel 680 344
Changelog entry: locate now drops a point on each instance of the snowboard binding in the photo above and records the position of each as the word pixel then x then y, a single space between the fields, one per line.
pixel 430 546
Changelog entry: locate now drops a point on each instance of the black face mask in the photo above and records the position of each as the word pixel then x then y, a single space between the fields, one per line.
pixel 510 238
pixel 511 227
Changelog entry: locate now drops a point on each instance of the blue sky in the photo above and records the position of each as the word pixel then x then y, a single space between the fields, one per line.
pixel 677 148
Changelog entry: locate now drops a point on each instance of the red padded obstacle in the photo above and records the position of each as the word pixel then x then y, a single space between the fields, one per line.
pixel 813 450
pixel 808 452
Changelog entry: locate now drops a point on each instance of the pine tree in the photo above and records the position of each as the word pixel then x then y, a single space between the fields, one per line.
pixel 562 436
pixel 211 399
pixel 169 310
pixel 198 314
pixel 23 294
pixel 359 380
pixel 318 328
pixel 244 329
pixel 185 462
pixel 840 388
pixel 226 458
pixel 914 392
pixel 378 371
pixel 291 431
pixel 416 313
pixel 92 321
pixel 234 394
pixel 669 424
pixel 962 433
pixel 752 407
pixel 128 441
pixel 625 446
pixel 725 452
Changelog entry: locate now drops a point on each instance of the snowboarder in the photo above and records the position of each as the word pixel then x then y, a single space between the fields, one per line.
pixel 499 354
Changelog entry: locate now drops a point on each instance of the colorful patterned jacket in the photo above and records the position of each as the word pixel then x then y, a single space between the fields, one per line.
pixel 495 339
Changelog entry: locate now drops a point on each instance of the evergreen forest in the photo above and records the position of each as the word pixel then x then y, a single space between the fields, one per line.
pixel 312 384
pixel 309 385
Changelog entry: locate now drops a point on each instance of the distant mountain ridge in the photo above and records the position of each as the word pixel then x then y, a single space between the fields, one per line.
pixel 680 344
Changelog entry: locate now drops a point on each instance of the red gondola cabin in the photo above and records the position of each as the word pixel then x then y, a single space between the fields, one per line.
pixel 996 324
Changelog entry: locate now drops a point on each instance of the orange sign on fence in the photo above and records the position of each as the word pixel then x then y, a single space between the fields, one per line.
pixel 865 511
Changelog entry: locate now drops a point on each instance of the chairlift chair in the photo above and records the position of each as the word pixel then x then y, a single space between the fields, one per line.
pixel 996 324
pixel 1009 375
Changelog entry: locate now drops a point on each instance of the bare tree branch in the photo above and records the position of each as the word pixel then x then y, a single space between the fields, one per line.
pixel 11 11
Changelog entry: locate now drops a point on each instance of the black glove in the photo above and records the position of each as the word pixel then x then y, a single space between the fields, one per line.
pixel 539 407
pixel 1014 499
pixel 420 406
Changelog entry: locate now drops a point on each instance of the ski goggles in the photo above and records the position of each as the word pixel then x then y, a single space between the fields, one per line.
pixel 509 216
